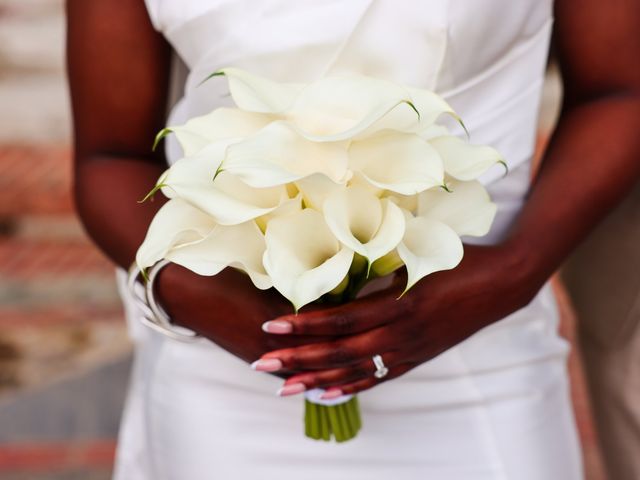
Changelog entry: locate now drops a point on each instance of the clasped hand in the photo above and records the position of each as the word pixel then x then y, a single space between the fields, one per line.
pixel 439 312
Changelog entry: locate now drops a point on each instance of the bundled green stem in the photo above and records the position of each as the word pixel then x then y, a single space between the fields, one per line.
pixel 341 422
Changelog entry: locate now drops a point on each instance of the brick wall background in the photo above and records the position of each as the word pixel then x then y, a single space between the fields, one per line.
pixel 64 354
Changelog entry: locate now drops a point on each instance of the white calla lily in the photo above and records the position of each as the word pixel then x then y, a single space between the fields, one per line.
pixel 258 94
pixel 239 246
pixel 428 246
pixel 364 223
pixel 176 224
pixel 277 154
pixel 341 107
pixel 462 160
pixel 222 123
pixel 400 162
pixel 467 208
pixel 227 199
pixel 303 258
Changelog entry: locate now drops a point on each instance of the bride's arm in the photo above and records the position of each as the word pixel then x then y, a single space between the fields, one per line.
pixel 118 72
pixel 592 162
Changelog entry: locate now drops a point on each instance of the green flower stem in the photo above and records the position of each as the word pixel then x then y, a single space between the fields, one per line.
pixel 334 419
pixel 325 429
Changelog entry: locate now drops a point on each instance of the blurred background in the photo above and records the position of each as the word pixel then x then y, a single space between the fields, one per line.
pixel 64 353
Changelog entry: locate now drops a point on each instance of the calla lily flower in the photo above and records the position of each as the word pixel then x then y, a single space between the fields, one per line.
pixel 221 124
pixel 189 237
pixel 258 94
pixel 428 246
pixel 227 199
pixel 400 162
pixel 462 160
pixel 341 107
pixel 239 246
pixel 277 154
pixel 366 224
pixel 467 208
pixel 176 224
pixel 303 258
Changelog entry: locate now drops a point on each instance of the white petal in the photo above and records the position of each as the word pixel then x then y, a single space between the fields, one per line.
pixel 241 246
pixel 406 202
pixel 427 247
pixel 177 223
pixel 462 160
pixel 287 207
pixel 400 162
pixel 404 117
pixel 222 123
pixel 340 107
pixel 303 258
pixel 316 188
pixel 467 208
pixel 364 223
pixel 227 199
pixel 430 106
pixel 277 155
pixel 258 94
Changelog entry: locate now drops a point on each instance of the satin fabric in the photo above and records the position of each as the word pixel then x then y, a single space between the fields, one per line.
pixel 494 407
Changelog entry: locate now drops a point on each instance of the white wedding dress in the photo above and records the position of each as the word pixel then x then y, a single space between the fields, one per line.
pixel 495 407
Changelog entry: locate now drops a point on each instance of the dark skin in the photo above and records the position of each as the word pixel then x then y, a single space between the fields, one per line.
pixel 118 70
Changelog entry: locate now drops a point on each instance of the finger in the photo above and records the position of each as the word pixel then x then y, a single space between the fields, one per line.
pixel 367 383
pixel 335 354
pixel 356 316
pixel 345 375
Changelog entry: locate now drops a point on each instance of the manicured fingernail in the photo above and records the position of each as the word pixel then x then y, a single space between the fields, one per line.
pixel 331 394
pixel 291 389
pixel 277 326
pixel 267 365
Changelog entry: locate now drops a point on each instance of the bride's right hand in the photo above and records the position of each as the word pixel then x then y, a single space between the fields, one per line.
pixel 227 309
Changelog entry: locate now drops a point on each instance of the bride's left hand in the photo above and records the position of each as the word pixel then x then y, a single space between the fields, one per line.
pixel 439 312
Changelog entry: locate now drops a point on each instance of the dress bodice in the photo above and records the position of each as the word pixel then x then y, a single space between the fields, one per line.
pixel 486 57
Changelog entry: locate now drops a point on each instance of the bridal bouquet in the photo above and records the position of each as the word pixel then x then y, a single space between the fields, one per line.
pixel 315 190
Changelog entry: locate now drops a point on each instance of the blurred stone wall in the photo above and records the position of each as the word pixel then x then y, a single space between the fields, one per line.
pixel 64 353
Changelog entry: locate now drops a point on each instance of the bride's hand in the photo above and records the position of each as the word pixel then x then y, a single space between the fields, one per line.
pixel 227 309
pixel 436 314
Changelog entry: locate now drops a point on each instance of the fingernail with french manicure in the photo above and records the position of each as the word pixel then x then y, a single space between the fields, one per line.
pixel 331 394
pixel 291 389
pixel 267 365
pixel 277 326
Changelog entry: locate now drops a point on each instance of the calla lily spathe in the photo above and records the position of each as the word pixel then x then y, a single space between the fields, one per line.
pixel 189 237
pixel 463 160
pixel 277 155
pixel 177 223
pixel 373 234
pixel 467 208
pixel 428 246
pixel 226 198
pixel 400 162
pixel 221 124
pixel 254 93
pixel 303 258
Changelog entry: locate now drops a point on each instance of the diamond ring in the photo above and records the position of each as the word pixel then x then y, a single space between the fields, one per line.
pixel 381 370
